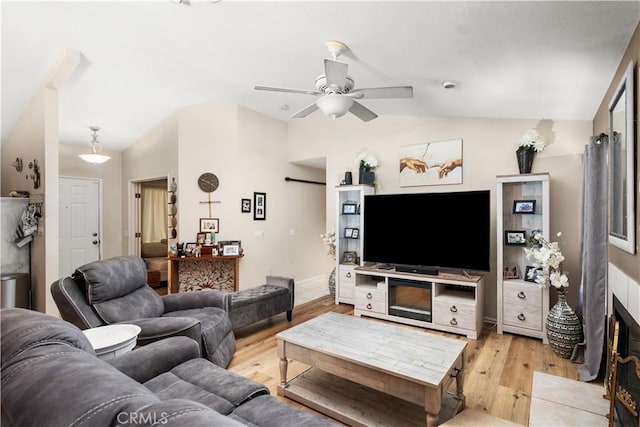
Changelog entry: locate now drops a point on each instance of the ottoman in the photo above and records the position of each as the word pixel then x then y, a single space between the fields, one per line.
pixel 261 302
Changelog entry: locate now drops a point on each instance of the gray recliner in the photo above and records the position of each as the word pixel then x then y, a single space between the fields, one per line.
pixel 115 291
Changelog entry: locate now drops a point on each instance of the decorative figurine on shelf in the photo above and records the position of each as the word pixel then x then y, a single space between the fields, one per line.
pixel 197 251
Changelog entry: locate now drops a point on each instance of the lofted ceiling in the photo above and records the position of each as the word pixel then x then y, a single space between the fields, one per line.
pixel 141 61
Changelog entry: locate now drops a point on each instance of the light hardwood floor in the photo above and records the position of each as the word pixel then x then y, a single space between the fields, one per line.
pixel 499 368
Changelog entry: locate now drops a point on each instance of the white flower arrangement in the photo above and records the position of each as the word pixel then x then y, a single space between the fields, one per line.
pixel 366 160
pixel 329 239
pixel 548 258
pixel 532 141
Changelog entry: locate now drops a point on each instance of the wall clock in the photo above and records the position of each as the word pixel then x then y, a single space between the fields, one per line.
pixel 208 182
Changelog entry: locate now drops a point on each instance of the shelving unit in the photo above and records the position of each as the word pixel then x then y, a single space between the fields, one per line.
pixel 349 215
pixel 522 305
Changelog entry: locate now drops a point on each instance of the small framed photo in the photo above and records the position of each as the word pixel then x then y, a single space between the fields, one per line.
pixel 229 250
pixel 515 237
pixel 349 257
pixel 209 225
pixel 246 205
pixel 201 237
pixel 524 206
pixel 348 233
pixel 189 248
pixel 531 273
pixel 510 272
pixel 259 206
pixel 349 208
pixel 355 233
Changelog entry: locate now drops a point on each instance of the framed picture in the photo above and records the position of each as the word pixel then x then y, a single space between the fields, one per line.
pixel 246 205
pixel 228 250
pixel 524 206
pixel 355 233
pixel 534 275
pixel 510 272
pixel 349 257
pixel 201 237
pixel 259 206
pixel 189 247
pixel 431 163
pixel 515 237
pixel 349 208
pixel 209 225
pixel 348 233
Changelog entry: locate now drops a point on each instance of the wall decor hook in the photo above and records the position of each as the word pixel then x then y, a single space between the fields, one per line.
pixel 17 164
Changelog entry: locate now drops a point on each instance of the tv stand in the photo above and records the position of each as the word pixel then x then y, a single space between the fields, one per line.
pixel 449 302
pixel 417 269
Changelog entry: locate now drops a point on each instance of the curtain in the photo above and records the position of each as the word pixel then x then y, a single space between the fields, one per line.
pixel 154 214
pixel 593 261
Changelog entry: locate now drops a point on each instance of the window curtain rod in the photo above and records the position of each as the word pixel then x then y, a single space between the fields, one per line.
pixel 600 138
pixel 304 180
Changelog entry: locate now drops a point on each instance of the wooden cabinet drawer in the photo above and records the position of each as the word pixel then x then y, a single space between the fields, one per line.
pixel 448 313
pixel 522 305
pixel 347 275
pixel 371 299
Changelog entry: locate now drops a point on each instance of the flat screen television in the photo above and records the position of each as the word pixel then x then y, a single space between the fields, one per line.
pixel 425 232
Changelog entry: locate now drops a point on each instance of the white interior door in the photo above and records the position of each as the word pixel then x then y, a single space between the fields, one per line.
pixel 79 223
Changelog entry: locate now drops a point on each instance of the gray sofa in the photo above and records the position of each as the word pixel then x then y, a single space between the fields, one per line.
pixel 51 377
pixel 115 290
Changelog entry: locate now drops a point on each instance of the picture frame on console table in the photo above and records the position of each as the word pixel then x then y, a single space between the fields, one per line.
pixel 231 250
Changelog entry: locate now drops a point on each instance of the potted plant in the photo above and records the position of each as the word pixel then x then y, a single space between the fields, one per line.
pixel 530 143
pixel 367 163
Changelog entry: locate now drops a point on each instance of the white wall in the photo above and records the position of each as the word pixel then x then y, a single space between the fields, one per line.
pixel 248 153
pixel 488 150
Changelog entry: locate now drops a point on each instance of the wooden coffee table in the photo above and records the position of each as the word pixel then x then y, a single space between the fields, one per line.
pixel 367 372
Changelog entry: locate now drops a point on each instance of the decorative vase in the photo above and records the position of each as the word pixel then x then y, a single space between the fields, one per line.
pixel 564 329
pixel 332 282
pixel 348 178
pixel 525 160
pixel 174 185
pixel 367 176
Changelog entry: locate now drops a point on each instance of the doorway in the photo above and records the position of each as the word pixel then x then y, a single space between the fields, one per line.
pixel 151 212
pixel 80 225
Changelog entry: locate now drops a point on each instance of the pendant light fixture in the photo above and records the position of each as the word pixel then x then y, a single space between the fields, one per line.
pixel 94 156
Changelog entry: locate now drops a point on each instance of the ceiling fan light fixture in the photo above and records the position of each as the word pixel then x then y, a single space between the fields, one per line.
pixel 334 106
pixel 94 156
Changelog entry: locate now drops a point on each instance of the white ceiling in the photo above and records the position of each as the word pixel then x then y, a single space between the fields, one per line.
pixel 143 60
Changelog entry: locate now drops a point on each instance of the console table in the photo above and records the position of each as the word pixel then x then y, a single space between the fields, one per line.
pixel 214 272
pixel 445 302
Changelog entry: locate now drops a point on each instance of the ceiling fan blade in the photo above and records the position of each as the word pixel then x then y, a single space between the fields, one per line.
pixel 362 112
pixel 281 89
pixel 336 73
pixel 383 92
pixel 305 111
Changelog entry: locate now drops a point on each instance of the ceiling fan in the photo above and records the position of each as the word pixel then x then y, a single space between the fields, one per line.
pixel 336 90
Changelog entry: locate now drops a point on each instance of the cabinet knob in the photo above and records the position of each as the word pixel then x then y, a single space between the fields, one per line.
pixel 95 242
pixel 453 309
pixel 369 296
pixel 368 306
pixel 348 274
pixel 521 317
pixel 522 295
pixel 453 322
